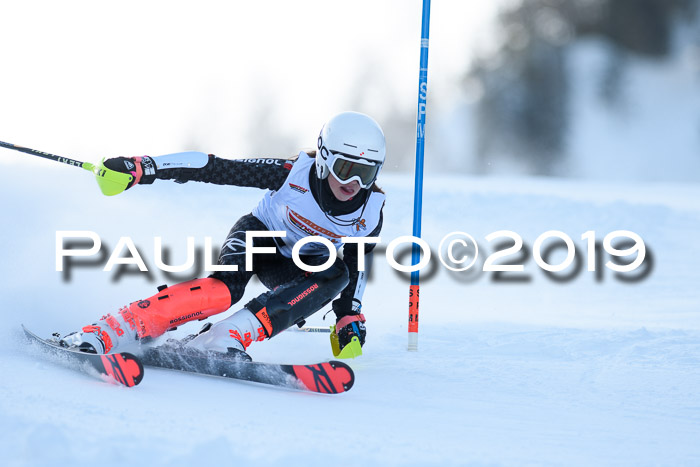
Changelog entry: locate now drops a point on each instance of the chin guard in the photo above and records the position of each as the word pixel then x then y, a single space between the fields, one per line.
pixel 352 350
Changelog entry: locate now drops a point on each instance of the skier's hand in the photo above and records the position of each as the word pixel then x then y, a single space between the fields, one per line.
pixel 142 169
pixel 353 328
pixel 349 322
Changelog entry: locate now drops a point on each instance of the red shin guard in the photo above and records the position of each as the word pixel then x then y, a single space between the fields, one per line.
pixel 194 300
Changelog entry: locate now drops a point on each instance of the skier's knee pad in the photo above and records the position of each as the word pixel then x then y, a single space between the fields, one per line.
pixel 292 303
pixel 172 306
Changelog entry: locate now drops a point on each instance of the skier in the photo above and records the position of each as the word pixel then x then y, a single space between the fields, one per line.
pixel 329 193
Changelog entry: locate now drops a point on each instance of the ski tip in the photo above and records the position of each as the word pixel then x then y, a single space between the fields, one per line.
pixel 331 377
pixel 123 368
pixel 30 336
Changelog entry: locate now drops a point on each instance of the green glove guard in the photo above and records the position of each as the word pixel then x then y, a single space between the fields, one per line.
pixel 352 350
pixel 110 181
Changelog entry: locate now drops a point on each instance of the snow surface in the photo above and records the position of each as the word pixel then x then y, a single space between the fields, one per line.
pixel 577 373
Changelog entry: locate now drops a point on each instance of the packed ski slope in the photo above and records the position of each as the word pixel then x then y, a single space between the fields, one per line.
pixel 536 371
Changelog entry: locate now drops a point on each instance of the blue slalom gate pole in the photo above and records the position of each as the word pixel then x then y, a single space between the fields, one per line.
pixel 414 291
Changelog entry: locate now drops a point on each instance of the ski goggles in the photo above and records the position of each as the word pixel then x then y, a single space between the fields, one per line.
pixel 347 168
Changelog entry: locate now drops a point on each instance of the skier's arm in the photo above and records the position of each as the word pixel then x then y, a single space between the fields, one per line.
pixel 267 173
pixel 348 306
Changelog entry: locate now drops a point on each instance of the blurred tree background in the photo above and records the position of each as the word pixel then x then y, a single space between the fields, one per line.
pixel 525 84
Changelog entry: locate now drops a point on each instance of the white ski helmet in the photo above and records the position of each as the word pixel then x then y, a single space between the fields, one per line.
pixel 351 147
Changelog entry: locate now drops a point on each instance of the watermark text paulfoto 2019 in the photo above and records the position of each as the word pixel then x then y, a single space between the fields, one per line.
pixel 554 252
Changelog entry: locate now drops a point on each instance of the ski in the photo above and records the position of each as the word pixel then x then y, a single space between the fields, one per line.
pixel 122 368
pixel 331 377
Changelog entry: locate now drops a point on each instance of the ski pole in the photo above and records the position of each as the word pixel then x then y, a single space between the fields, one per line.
pixel 414 290
pixel 110 181
pixel 46 155
pixel 321 329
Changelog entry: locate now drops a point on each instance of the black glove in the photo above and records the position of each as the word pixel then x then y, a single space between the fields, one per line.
pixel 349 321
pixel 143 169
